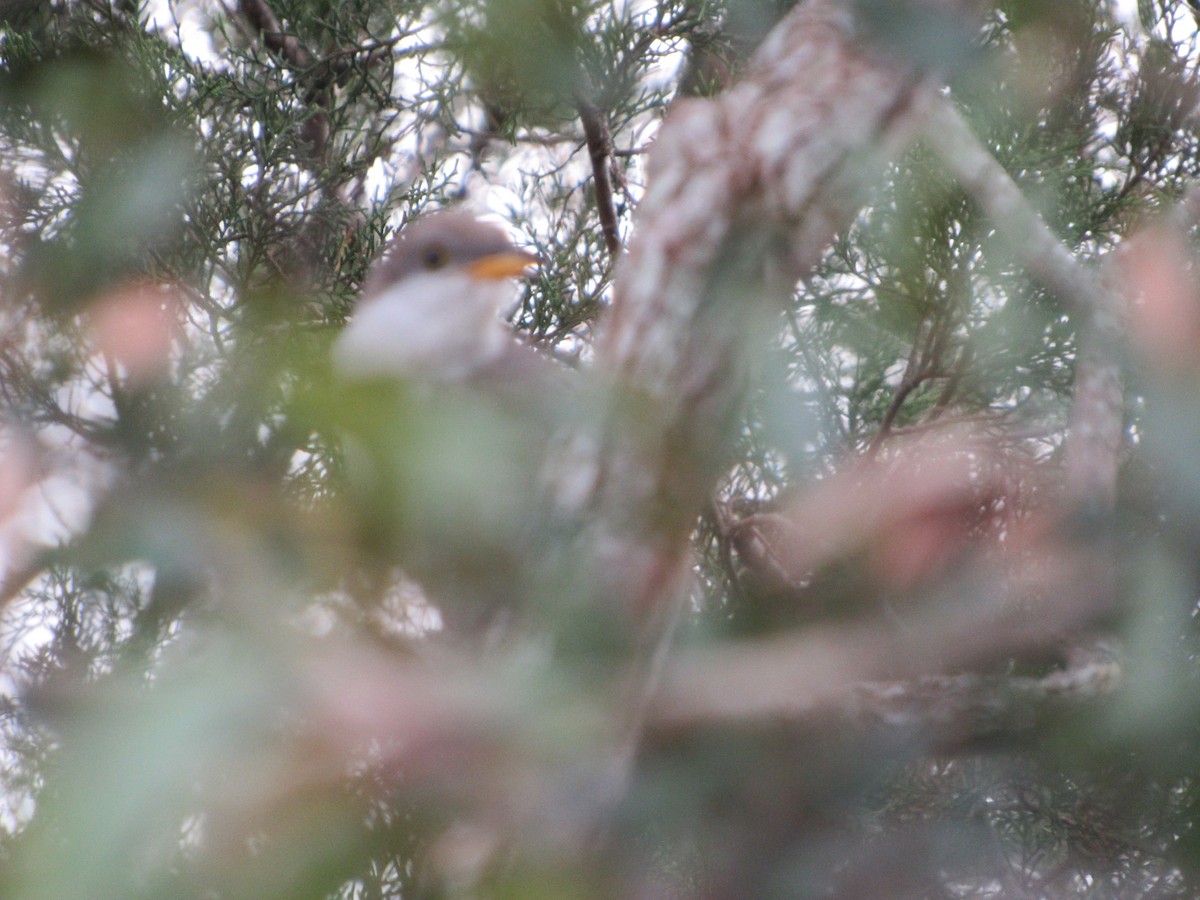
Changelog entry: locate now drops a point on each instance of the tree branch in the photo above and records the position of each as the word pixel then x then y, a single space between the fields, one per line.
pixel 316 129
pixel 745 193
pixel 1095 429
pixel 259 14
pixel 599 144
pixel 867 676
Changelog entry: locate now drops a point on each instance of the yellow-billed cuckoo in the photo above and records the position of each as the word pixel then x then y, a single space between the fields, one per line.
pixel 432 306
pixel 458 482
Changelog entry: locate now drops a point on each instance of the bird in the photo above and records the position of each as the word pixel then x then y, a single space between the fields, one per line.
pixel 432 308
pixel 445 415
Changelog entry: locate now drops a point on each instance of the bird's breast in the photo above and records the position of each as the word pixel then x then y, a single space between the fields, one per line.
pixel 439 325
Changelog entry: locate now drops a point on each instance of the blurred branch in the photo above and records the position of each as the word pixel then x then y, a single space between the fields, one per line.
pixel 744 190
pixel 419 708
pixel 745 193
pixel 1041 589
pixel 1186 213
pixel 955 712
pixel 1018 223
pixel 868 676
pixel 1096 426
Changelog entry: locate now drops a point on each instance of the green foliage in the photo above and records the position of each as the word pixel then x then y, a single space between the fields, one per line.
pixel 524 54
pixel 206 690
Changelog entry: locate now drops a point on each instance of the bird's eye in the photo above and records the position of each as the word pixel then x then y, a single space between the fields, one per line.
pixel 435 257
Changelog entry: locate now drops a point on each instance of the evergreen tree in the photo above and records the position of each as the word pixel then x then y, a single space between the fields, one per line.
pixel 845 545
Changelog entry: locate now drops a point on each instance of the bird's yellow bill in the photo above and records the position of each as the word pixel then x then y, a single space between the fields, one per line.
pixel 502 265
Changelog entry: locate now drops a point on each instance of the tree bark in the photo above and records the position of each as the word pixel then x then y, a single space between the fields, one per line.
pixel 745 194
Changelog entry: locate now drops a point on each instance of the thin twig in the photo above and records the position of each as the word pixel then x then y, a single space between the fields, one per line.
pixel 599 144
pixel 916 370
pixel 315 129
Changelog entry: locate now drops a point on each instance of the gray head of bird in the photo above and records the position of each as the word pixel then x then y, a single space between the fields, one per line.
pixel 432 306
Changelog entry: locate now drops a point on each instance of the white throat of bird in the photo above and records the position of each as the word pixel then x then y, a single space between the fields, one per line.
pixel 441 325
